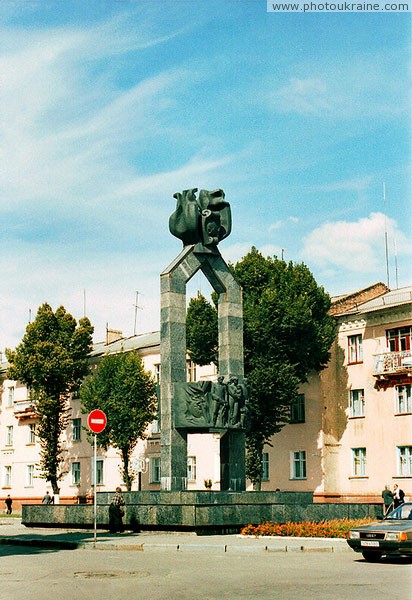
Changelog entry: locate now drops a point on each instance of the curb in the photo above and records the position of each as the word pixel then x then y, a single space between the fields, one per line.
pixel 178 548
pixel 40 543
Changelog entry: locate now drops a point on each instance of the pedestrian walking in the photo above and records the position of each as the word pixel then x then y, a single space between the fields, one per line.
pixel 8 502
pixel 387 496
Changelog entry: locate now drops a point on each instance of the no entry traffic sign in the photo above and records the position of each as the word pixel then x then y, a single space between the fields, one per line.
pixel 96 421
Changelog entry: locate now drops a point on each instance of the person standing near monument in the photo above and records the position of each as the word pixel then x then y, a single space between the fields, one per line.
pixel 8 502
pixel 387 496
pixel 398 496
pixel 116 512
pixel 47 499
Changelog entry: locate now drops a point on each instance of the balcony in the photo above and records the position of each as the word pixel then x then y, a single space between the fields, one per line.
pixel 395 366
pixel 24 409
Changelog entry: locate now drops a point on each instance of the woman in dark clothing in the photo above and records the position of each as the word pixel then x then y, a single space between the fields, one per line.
pixel 116 512
pixel 8 502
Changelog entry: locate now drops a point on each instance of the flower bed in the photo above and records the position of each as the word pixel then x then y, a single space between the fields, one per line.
pixel 335 528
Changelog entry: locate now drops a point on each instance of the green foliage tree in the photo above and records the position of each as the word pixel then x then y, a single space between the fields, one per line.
pixel 126 393
pixel 201 331
pixel 287 334
pixel 51 361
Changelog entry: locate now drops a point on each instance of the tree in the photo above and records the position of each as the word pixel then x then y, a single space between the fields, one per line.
pixel 287 334
pixel 201 331
pixel 126 393
pixel 51 361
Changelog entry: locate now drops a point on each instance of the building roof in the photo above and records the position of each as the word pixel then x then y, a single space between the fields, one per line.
pixel 135 342
pixel 392 298
pixel 344 303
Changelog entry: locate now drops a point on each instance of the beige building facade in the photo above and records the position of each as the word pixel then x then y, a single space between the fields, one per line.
pixel 350 433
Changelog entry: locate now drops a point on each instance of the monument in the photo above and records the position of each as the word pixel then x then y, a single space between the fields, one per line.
pixel 201 222
pixel 220 406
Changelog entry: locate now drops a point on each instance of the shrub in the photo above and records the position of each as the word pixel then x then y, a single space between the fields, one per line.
pixel 335 528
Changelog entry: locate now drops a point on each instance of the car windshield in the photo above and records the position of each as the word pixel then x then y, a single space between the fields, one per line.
pixel 403 512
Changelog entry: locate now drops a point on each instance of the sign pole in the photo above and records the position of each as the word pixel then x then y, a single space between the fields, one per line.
pixel 96 422
pixel 95 489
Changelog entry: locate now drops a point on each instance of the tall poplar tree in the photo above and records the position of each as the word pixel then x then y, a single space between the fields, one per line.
pixel 126 393
pixel 201 331
pixel 51 360
pixel 287 334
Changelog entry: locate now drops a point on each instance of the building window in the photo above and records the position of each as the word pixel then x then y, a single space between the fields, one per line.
pixel 399 339
pixel 359 462
pixel 265 466
pixel 356 403
pixel 191 468
pixel 190 371
pixel 155 427
pixel 298 465
pixel 403 399
pixel 154 469
pixel 157 372
pixel 297 409
pixel 10 397
pixel 99 470
pixel 75 473
pixel 405 461
pixel 30 475
pixel 32 433
pixel 9 435
pixel 77 429
pixel 7 476
pixel 355 351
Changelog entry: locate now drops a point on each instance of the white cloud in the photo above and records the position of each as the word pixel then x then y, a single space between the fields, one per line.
pixel 352 246
pixel 76 212
pixel 283 223
pixel 36 274
pixel 304 96
pixel 63 133
pixel 236 252
pixel 369 86
pixel 358 184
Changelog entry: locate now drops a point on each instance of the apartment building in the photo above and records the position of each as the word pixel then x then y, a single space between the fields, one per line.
pixel 20 452
pixel 350 432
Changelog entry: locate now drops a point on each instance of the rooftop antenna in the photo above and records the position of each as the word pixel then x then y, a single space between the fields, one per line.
pixel 29 315
pixel 136 307
pixel 396 262
pixel 84 302
pixel 386 236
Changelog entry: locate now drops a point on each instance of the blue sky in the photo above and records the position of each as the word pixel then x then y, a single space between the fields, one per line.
pixel 110 107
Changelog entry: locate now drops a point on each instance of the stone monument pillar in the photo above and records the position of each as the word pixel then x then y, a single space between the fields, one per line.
pixel 201 223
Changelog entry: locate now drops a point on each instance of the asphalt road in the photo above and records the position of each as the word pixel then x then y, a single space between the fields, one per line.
pixel 30 573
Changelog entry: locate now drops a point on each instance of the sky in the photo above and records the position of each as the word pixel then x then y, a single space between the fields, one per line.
pixel 109 107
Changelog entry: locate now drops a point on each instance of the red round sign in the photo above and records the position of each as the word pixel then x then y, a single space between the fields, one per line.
pixel 96 421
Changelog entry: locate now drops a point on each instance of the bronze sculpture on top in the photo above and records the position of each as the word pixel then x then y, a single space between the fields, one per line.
pixel 201 222
pixel 205 220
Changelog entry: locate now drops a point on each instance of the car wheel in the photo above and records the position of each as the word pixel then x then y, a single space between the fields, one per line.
pixel 372 556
